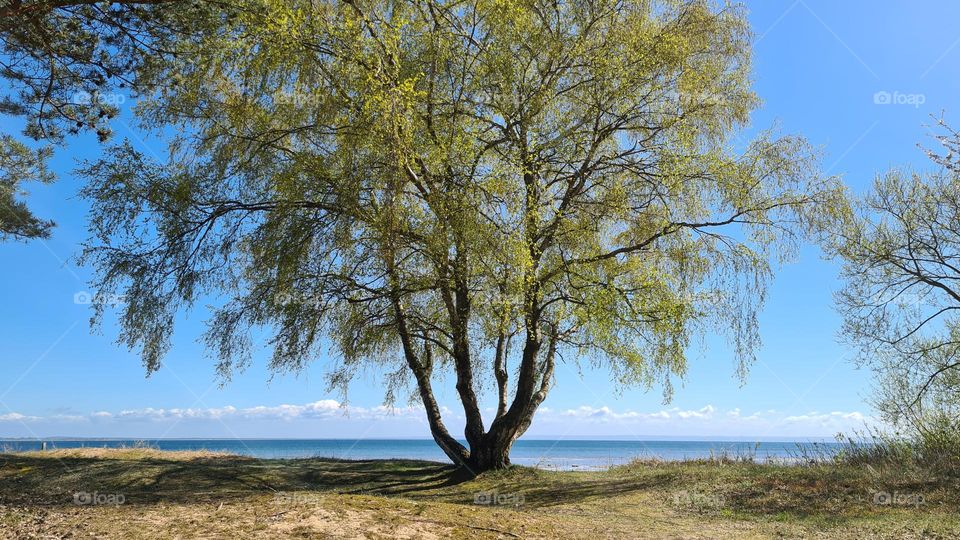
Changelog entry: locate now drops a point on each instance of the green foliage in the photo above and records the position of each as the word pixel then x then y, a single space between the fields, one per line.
pixel 64 61
pixel 431 178
pixel 900 254
pixel 19 164
pixel 928 446
pixel 67 67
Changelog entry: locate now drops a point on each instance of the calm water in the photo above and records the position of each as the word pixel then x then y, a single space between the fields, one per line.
pixel 553 454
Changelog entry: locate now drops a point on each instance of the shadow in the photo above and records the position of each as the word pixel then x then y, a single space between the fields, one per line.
pixel 30 479
pixel 52 481
pixel 544 489
pixel 39 481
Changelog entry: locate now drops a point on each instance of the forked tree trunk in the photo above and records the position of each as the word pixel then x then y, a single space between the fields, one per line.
pixel 491 454
pixel 492 450
pixel 488 450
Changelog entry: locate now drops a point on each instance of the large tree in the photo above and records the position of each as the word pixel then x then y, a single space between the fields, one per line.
pixel 481 189
pixel 901 299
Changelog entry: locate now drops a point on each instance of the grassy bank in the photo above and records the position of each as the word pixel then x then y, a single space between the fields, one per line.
pixel 142 493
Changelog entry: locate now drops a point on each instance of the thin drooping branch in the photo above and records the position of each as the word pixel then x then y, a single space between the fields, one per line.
pixel 921 392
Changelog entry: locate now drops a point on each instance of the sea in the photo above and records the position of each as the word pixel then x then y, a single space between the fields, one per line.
pixel 560 454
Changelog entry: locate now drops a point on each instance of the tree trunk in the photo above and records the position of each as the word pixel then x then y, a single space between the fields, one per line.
pixel 491 454
pixel 453 449
pixel 493 450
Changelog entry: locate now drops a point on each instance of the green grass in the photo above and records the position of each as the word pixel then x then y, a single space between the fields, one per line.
pixel 166 495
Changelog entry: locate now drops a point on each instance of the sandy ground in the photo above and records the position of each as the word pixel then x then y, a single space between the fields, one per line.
pixel 140 493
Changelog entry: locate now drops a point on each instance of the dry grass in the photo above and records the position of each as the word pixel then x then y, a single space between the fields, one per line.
pixel 203 495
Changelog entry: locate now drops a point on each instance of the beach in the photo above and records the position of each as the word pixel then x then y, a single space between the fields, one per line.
pixel 149 493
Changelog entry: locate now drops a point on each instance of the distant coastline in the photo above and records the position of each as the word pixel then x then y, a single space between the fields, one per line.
pixel 555 454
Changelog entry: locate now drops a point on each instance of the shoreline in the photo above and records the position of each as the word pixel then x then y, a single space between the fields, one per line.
pixel 581 454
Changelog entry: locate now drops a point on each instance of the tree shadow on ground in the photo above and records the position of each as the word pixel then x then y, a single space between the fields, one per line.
pixel 41 480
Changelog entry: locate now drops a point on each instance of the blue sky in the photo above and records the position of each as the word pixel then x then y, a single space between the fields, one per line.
pixel 859 79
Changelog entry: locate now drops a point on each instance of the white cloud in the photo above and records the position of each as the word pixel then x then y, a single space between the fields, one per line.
pixel 706 412
pixel 15 417
pixel 329 417
pixel 704 421
pixel 327 408
pixel 605 413
pixel 828 418
pixel 23 418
